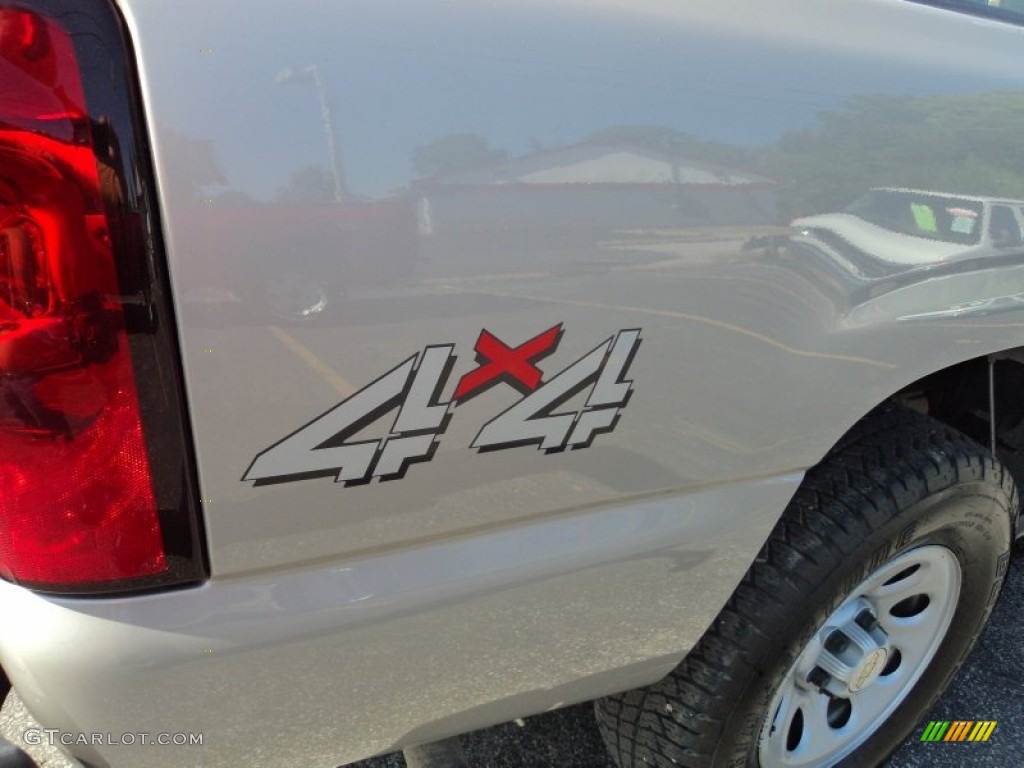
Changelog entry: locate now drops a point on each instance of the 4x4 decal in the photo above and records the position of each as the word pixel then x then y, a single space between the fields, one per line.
pixel 329 445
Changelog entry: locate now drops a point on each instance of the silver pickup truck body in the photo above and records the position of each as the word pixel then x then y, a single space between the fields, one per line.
pixel 482 572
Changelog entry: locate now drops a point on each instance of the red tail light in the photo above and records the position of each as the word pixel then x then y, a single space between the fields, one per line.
pixel 79 503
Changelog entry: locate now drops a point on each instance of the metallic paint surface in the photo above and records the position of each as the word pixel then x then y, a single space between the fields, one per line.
pixel 337 662
pixel 726 330
pixel 485 586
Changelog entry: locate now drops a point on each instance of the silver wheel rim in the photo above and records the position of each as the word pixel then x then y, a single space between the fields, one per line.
pixel 296 297
pixel 863 661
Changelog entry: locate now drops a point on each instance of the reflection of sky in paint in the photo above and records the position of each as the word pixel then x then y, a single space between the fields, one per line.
pixel 401 74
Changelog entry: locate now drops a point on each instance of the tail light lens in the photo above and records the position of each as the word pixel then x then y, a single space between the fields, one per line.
pixel 87 363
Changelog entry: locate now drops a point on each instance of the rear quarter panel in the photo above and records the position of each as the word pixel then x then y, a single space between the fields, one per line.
pixel 750 365
pixel 504 582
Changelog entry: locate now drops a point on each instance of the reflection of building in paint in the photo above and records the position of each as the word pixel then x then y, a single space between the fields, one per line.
pixel 592 186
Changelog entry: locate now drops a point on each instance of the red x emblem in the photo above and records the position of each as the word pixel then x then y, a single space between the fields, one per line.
pixel 499 362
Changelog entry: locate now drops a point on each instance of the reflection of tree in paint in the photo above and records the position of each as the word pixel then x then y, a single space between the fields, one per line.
pixel 453 153
pixel 308 184
pixel 969 144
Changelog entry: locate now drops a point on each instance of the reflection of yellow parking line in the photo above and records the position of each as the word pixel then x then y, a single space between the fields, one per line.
pixel 318 366
pixel 444 281
pixel 703 320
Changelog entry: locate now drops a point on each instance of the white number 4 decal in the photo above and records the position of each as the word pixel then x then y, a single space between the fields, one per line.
pixel 532 419
pixel 323 446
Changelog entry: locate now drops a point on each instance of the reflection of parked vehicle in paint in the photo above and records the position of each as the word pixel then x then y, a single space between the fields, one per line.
pixel 907 227
pixel 757 514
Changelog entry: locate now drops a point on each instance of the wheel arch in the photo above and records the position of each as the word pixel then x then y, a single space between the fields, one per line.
pixel 980 396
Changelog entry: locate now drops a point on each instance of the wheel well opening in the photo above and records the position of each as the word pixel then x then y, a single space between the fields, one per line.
pixel 983 398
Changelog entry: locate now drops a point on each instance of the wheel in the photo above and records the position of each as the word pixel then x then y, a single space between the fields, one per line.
pixel 296 296
pixel 853 619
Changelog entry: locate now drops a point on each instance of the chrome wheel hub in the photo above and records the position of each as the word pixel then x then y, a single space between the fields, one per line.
pixel 853 655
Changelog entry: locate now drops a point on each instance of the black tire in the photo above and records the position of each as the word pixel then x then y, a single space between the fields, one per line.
pixel 899 483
